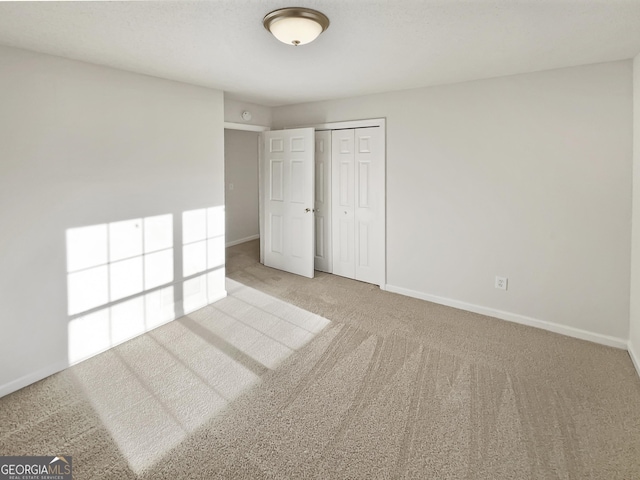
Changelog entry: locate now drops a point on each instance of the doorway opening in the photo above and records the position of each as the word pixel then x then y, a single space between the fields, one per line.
pixel 241 182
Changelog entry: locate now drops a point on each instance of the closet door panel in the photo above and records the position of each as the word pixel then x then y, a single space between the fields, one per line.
pixel 322 203
pixel 343 202
pixel 369 208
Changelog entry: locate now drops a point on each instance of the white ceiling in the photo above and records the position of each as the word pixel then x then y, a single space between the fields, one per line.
pixel 370 46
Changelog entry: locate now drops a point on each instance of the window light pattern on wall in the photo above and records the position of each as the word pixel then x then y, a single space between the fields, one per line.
pixel 125 278
pixel 113 261
pixel 203 250
pixel 117 262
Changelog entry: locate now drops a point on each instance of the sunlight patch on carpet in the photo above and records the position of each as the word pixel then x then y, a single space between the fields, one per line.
pixel 153 392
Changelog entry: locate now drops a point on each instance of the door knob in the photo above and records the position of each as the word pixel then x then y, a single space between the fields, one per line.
pixel 307 210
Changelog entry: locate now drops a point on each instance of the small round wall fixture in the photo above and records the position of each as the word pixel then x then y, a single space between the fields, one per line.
pixel 295 25
pixel 246 115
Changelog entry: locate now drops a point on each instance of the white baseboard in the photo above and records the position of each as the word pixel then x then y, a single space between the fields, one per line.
pixel 242 240
pixel 516 318
pixel 635 358
pixel 30 378
pixel 218 297
pixel 209 302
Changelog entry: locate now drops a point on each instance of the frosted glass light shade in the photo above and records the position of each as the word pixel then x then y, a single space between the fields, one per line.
pixel 296 31
pixel 296 26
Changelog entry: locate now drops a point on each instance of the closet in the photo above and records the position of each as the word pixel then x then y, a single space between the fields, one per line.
pixel 322 197
pixel 358 200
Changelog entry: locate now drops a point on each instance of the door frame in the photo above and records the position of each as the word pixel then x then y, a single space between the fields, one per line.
pixel 246 127
pixel 364 123
pixel 252 128
pixel 348 124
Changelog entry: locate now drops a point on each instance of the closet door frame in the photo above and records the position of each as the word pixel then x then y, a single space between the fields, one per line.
pixel 353 124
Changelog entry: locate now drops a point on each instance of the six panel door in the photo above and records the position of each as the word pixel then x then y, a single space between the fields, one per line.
pixel 369 205
pixel 287 190
pixel 342 197
pixel 358 196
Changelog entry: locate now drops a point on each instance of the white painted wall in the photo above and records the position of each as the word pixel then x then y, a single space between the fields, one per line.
pixel 527 177
pixel 233 109
pixel 241 172
pixel 634 326
pixel 83 145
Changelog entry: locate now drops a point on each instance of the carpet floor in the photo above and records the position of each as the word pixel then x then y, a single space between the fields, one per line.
pixel 291 377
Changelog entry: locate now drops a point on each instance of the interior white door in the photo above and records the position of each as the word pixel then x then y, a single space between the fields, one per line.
pixel 342 195
pixel 323 201
pixel 369 205
pixel 288 197
pixel 358 196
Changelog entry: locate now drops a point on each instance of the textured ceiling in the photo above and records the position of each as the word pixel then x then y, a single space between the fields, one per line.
pixel 371 46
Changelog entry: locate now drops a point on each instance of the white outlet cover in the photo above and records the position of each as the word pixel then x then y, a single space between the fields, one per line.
pixel 501 283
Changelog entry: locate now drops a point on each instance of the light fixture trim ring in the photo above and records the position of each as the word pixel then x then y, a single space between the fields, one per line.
pixel 295 12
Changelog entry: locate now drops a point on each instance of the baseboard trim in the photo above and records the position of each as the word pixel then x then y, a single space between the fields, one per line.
pixel 38 375
pixel 635 358
pixel 218 297
pixel 242 240
pixel 515 318
pixel 209 302
pixel 34 377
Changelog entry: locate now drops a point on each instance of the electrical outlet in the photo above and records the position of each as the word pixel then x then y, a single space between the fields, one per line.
pixel 231 186
pixel 501 283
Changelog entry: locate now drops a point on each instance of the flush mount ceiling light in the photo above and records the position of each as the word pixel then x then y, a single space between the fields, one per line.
pixel 295 25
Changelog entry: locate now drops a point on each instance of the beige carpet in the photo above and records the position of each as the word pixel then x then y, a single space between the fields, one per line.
pixel 331 378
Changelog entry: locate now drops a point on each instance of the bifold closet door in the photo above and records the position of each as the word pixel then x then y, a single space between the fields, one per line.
pixel 323 201
pixel 358 198
pixel 342 196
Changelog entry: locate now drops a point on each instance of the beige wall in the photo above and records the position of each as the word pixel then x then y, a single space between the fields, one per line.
pixel 81 146
pixel 241 171
pixel 634 327
pixel 527 177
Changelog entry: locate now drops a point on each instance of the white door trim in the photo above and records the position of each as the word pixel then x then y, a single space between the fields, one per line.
pixel 371 122
pixel 246 127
